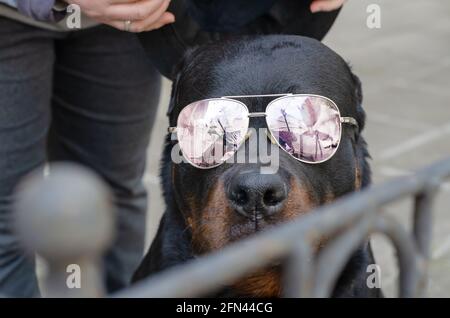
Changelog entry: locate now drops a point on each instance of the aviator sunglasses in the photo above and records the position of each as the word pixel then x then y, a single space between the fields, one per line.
pixel 307 127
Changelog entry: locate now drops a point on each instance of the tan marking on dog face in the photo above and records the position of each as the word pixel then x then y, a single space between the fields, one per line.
pixel 300 200
pixel 217 224
pixel 211 227
pixel 358 177
pixel 329 197
pixel 262 284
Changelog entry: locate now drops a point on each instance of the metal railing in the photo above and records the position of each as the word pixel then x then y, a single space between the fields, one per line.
pixel 72 223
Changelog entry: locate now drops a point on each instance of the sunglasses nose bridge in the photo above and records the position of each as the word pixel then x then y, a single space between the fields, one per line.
pixel 266 131
pixel 257 114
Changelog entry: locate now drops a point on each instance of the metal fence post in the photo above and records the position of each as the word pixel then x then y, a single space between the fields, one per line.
pixel 67 219
pixel 423 220
pixel 407 255
pixel 298 277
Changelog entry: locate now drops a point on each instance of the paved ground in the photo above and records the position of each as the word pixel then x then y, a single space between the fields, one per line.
pixel 405 70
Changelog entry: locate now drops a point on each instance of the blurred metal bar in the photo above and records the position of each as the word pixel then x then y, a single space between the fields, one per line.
pixel 241 258
pixel 423 202
pixel 422 229
pixel 406 254
pixel 68 219
pixel 211 272
pixel 298 277
pixel 338 252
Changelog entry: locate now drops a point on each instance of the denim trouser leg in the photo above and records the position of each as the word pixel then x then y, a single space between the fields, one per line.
pixel 26 66
pixel 101 93
pixel 104 102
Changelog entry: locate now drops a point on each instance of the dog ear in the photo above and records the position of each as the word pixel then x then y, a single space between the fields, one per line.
pixel 174 94
pixel 362 167
pixel 358 96
pixel 177 75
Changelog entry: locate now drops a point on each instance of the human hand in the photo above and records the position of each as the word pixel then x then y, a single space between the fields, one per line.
pixel 128 15
pixel 326 5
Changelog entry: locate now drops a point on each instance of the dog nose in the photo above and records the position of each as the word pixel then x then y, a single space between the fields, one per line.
pixel 257 195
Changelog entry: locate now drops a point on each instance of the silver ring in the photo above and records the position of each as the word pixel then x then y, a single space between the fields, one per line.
pixel 127 24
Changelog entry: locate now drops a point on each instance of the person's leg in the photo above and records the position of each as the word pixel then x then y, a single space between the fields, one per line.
pixel 105 97
pixel 26 67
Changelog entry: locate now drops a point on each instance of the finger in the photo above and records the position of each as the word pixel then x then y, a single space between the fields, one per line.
pixel 142 26
pixel 155 16
pixel 326 5
pixel 140 10
pixel 166 18
pixel 154 19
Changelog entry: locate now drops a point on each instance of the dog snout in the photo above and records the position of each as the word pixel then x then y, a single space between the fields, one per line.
pixel 256 195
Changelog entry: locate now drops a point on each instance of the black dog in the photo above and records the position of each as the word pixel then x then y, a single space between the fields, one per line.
pixel 201 216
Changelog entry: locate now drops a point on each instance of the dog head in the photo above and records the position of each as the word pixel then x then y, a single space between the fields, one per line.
pixel 234 200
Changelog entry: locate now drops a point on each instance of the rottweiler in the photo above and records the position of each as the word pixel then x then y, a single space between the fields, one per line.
pixel 309 103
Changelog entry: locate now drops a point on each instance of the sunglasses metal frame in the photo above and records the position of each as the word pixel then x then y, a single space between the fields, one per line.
pixel 343 120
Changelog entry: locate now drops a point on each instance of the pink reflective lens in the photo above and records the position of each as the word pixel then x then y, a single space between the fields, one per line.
pixel 210 131
pixel 306 127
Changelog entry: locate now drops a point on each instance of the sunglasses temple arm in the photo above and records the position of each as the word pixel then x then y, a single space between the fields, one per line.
pixel 173 132
pixel 349 120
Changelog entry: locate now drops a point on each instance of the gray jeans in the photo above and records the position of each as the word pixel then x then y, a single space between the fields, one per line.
pixel 89 97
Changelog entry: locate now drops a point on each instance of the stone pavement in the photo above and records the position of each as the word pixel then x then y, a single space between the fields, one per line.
pixel 405 70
